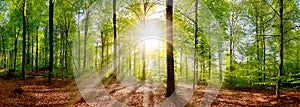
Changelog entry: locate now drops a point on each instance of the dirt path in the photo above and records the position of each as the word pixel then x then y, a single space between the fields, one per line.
pixel 37 92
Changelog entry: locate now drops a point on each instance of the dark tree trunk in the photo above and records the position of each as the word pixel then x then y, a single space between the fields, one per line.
pixel 16 53
pixel 32 57
pixel 51 10
pixel 257 44
pixel 196 49
pixel 170 58
pixel 281 50
pixel 144 62
pixel 102 48
pixel 24 42
pixel 37 50
pixel 115 37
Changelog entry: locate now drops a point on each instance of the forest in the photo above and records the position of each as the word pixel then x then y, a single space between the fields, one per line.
pixel 149 53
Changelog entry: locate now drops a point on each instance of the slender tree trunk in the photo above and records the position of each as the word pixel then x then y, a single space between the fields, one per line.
pixel 67 46
pixel 257 44
pixel 16 51
pixel 79 42
pixel 51 10
pixel 96 59
pixel 196 49
pixel 115 37
pixel 298 58
pixel 37 50
pixel 4 54
pixel 170 58
pixel 85 36
pixel 144 62
pixel 134 62
pixel 186 68
pixel 46 48
pixel 32 57
pixel 220 66
pixel 264 57
pixel 107 57
pixel 28 44
pixel 129 61
pixel 102 49
pixel 24 42
pixel 281 50
pixel 231 40
pixel 2 49
pixel 180 64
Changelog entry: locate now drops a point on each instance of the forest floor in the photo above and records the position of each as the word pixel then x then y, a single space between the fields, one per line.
pixel 38 92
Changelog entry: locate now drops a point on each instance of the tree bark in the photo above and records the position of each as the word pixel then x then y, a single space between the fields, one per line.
pixel 196 49
pixel 85 36
pixel 115 37
pixel 170 58
pixel 37 50
pixel 79 42
pixel 51 10
pixel 24 42
pixel 281 50
pixel 16 51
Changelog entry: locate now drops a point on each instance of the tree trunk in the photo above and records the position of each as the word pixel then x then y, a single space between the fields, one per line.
pixel 144 62
pixel 16 52
pixel 32 57
pixel 115 37
pixel 220 66
pixel 85 36
pixel 196 49
pixel 170 58
pixel 281 50
pixel 257 44
pixel 180 64
pixel 51 10
pixel 37 50
pixel 24 42
pixel 79 48
pixel 186 68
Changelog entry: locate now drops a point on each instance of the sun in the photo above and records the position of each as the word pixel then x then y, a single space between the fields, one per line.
pixel 152 44
pixel 151 33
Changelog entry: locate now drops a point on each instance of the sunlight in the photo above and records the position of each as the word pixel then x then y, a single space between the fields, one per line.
pixel 152 44
pixel 151 31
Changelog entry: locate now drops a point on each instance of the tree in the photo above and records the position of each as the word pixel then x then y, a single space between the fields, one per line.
pixel 115 37
pixel 196 47
pixel 170 60
pixel 24 42
pixel 281 49
pixel 51 10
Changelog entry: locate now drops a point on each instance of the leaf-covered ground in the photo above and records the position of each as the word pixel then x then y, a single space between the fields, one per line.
pixel 38 92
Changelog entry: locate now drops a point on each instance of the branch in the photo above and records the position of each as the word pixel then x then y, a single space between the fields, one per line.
pixel 293 28
pixel 269 35
pixel 296 38
pixel 181 13
pixel 272 8
pixel 134 12
pixel 152 5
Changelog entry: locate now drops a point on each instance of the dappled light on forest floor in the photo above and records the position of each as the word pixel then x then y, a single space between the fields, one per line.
pixel 38 92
